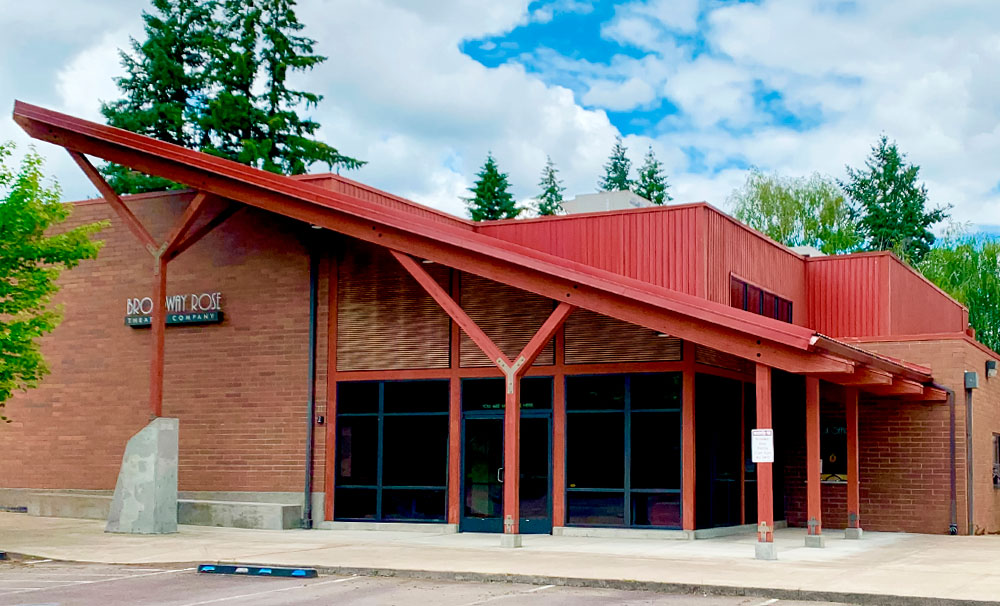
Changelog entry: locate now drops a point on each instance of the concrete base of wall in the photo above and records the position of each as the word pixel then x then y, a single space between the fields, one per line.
pixel 145 500
pixel 391 526
pixel 622 533
pixel 272 514
pixel 728 531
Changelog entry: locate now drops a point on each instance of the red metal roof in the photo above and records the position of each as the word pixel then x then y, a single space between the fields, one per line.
pixel 684 315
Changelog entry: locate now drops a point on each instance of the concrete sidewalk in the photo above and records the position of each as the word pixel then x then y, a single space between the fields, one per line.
pixel 899 567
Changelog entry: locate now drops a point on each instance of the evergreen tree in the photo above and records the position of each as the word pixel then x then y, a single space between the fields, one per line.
pixel 891 205
pixel 490 199
pixel 550 200
pixel 34 250
pixel 652 184
pixel 261 47
pixel 616 170
pixel 164 85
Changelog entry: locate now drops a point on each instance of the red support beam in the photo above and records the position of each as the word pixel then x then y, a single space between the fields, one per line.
pixel 190 215
pixel 853 465
pixel 559 433
pixel 158 323
pixel 765 487
pixel 109 195
pixel 453 309
pixel 813 465
pixel 687 438
pixel 512 456
pixel 455 414
pixel 330 470
pixel 545 333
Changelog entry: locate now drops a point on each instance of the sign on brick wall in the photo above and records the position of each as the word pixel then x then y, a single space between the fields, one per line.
pixel 195 308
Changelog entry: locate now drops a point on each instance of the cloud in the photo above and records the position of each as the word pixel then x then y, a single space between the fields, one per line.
pixel 619 96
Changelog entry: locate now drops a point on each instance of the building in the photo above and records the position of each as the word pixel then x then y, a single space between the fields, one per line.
pixel 623 371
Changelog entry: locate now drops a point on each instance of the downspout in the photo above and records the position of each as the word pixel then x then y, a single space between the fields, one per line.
pixel 970 496
pixel 311 404
pixel 953 526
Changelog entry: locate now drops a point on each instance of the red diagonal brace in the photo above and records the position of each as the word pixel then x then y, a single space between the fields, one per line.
pixel 512 377
pixel 115 202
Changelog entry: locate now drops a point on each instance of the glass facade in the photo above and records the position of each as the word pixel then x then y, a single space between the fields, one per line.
pixel 623 450
pixel 392 450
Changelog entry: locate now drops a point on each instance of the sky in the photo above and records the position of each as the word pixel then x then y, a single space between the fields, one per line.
pixel 424 89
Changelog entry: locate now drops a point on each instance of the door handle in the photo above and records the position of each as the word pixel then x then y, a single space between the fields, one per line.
pixel 500 475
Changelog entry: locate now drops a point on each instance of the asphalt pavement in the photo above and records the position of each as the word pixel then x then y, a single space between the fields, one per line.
pixel 50 583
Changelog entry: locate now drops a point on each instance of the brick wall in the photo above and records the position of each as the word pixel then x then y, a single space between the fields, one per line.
pixel 239 388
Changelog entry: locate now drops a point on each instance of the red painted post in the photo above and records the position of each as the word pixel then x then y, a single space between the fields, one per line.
pixel 511 455
pixel 853 467
pixel 687 439
pixel 158 322
pixel 330 470
pixel 765 489
pixel 455 413
pixel 559 434
pixel 814 507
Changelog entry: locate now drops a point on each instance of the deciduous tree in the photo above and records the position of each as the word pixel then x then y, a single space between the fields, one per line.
pixel 34 250
pixel 797 211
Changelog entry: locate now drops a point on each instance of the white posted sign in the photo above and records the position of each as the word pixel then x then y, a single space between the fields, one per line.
pixel 762 445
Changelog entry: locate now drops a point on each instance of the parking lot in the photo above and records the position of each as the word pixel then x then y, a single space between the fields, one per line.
pixel 48 583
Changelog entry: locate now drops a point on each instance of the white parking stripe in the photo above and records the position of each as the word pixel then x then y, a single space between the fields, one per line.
pixel 121 578
pixel 251 595
pixel 767 602
pixel 542 588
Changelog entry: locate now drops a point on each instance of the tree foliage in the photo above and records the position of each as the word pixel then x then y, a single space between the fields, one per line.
pixel 652 183
pixel 968 269
pixel 31 259
pixel 890 204
pixel 165 83
pixel 214 75
pixel 616 171
pixel 490 196
pixel 549 202
pixel 797 211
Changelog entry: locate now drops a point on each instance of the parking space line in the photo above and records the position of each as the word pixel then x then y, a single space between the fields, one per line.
pixel 121 578
pixel 542 588
pixel 259 593
pixel 767 602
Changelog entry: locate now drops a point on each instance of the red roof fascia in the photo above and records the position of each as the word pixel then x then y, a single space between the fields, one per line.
pixel 148 155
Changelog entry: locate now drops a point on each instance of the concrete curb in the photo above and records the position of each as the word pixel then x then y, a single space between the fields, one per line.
pixel 865 599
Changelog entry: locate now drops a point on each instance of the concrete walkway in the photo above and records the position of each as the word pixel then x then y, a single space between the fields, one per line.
pixel 958 569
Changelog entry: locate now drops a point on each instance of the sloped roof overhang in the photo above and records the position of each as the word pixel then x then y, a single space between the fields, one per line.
pixel 777 344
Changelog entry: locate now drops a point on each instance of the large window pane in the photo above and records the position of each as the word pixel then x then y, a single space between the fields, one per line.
pixel 357 450
pixel 482 394
pixel 656 509
pixel 536 393
pixel 415 450
pixel 661 390
pixel 357 397
pixel 415 396
pixel 595 393
pixel 656 450
pixel 595 445
pixel 596 508
pixel 417 505
pixel 355 503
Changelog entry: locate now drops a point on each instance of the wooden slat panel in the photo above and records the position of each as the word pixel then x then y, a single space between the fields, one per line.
pixel 510 317
pixel 714 357
pixel 385 320
pixel 592 338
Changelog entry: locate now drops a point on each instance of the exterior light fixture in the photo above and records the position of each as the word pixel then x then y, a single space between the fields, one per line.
pixel 316 226
pixel 991 368
pixel 662 334
pixel 427 261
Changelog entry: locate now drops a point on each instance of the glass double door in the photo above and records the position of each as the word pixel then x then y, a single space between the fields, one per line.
pixel 483 469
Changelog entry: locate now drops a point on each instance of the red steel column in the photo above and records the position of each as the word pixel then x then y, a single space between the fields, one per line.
pixel 814 536
pixel 331 389
pixel 511 454
pixel 455 415
pixel 765 489
pixel 687 440
pixel 853 467
pixel 158 322
pixel 559 434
